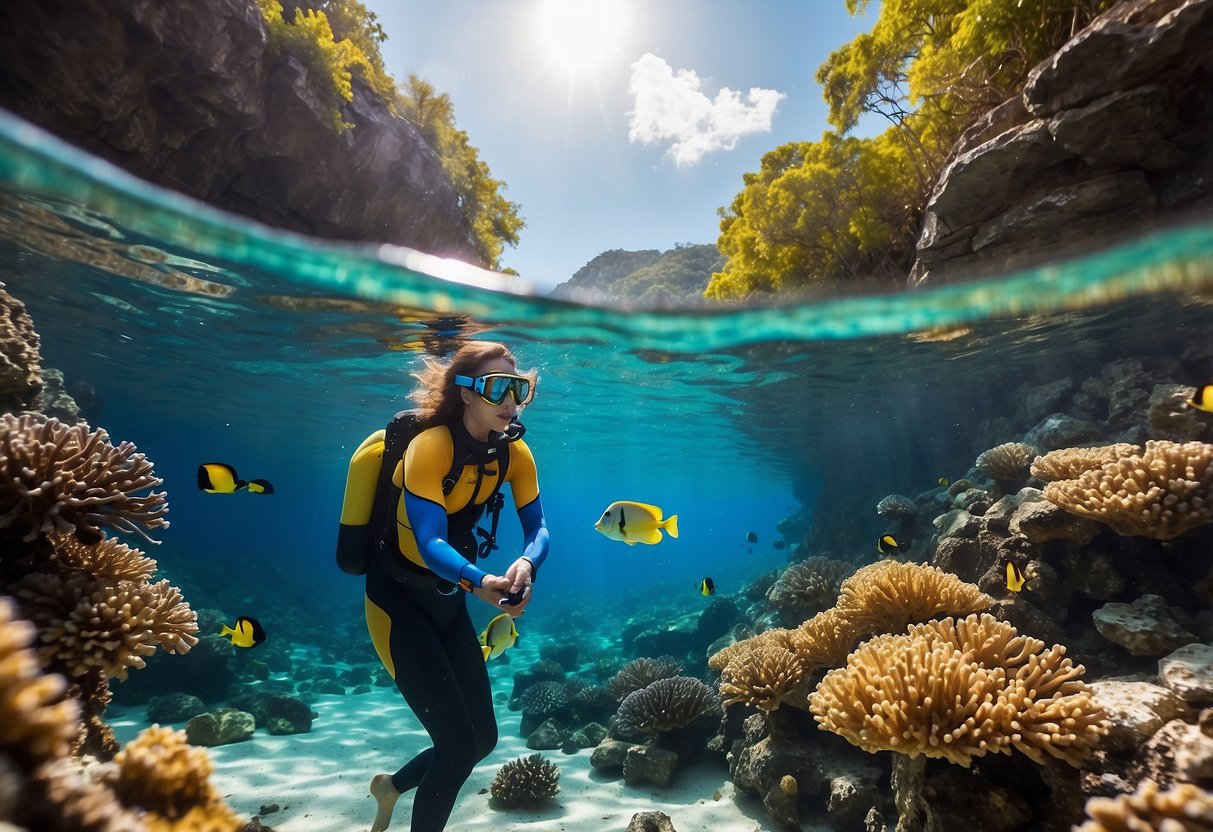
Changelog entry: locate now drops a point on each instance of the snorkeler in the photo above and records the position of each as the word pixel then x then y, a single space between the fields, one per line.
pixel 415 607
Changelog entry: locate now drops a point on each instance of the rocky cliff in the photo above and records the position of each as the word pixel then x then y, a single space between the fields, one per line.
pixel 186 95
pixel 1112 134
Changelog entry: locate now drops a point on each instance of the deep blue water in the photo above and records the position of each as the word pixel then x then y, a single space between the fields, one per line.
pixel 212 339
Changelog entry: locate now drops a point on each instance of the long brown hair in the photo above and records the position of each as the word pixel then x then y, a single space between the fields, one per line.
pixel 436 396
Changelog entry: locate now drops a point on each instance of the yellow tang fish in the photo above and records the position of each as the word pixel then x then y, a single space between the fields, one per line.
pixel 1203 400
pixel 221 478
pixel 1016 580
pixel 500 635
pixel 246 633
pixel 707 587
pixel 635 523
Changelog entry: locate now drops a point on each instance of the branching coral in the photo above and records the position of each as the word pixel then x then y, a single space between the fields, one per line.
pixel 1161 492
pixel 638 673
pixel 666 705
pixel 1070 463
pixel 110 559
pixel 87 623
pixel 59 477
pixel 765 676
pixel 160 772
pixel 887 595
pixel 526 782
pixel 1184 808
pixel 809 586
pixel 20 361
pixel 1007 462
pixel 544 699
pixel 36 724
pixel 958 690
pixel 825 639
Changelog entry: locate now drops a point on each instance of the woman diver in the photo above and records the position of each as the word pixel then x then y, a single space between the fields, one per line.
pixel 469 447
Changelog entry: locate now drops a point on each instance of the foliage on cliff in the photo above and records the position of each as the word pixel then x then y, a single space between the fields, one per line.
pixel 340 39
pixel 647 277
pixel 846 208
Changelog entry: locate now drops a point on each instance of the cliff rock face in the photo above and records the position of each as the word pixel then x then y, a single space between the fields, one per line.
pixel 186 95
pixel 1112 134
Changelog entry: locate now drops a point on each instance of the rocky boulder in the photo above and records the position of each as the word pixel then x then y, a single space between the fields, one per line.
pixel 1112 129
pixel 188 96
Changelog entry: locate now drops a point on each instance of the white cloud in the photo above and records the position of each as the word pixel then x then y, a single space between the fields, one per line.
pixel 671 106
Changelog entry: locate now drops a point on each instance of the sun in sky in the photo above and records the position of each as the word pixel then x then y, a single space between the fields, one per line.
pixel 580 35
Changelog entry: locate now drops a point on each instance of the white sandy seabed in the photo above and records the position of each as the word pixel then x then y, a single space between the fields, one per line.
pixel 319 779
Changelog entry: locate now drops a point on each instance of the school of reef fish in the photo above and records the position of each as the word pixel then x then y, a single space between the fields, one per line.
pixel 950 644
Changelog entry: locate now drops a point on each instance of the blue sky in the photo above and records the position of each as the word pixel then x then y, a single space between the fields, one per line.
pixel 620 123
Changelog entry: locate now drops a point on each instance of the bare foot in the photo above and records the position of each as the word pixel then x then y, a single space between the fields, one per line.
pixel 385 795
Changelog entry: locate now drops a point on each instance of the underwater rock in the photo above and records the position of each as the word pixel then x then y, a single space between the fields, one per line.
pixel 287 715
pixel 220 727
pixel 1057 430
pixel 1135 710
pixel 174 707
pixel 932 796
pixel 679 637
pixel 54 400
pixel 1039 400
pixel 1189 673
pixel 1178 751
pixel 852 795
pixel 328 686
pixel 783 803
pixel 610 755
pixel 651 822
pixel 1092 574
pixel 1146 627
pixel 1040 521
pixel 958 523
pixel 646 764
pixel 1172 418
pixel 549 736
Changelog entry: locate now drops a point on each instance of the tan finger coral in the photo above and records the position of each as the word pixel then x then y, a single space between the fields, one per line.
pixel 887 595
pixel 960 689
pixel 666 705
pixel 1184 808
pixel 160 772
pixel 808 587
pixel 110 559
pixel 36 724
pixel 1007 462
pixel 1069 463
pixel 1161 492
pixel 59 477
pixel 825 639
pixel 765 676
pixel 87 623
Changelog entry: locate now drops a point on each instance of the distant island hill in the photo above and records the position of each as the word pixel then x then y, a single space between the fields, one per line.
pixel 647 278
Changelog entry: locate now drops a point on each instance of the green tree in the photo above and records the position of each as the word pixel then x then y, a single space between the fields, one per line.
pixel 494 219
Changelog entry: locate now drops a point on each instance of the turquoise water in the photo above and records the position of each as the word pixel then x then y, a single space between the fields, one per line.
pixel 211 338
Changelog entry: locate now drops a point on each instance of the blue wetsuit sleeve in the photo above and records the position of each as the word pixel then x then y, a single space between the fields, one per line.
pixel 535 532
pixel 429 530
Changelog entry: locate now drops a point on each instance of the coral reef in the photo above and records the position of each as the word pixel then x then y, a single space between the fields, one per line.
pixel 886 596
pixel 1184 808
pixel 765 675
pixel 1007 462
pixel 526 782
pixel 1161 492
pixel 110 559
pixel 665 705
pixel 896 506
pixel 63 477
pixel 959 690
pixel 640 673
pixel 808 587
pixel 20 359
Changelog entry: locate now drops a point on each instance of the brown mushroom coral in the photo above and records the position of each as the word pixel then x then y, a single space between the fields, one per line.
pixel 808 587
pixel 764 676
pixel 641 672
pixel 1069 463
pixel 90 624
pixel 666 705
pixel 1184 808
pixel 63 477
pixel 1007 462
pixel 887 595
pixel 960 689
pixel 1161 492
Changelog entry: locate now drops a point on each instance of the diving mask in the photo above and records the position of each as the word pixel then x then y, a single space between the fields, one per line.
pixel 494 387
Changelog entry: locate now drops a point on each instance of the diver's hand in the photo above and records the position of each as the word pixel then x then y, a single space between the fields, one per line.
pixel 492 589
pixel 519 575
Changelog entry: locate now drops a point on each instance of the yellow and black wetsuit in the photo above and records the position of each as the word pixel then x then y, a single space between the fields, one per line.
pixel 425 638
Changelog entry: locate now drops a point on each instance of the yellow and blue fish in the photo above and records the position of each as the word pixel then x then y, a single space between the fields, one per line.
pixel 707 587
pixel 499 635
pixel 888 545
pixel 221 478
pixel 635 523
